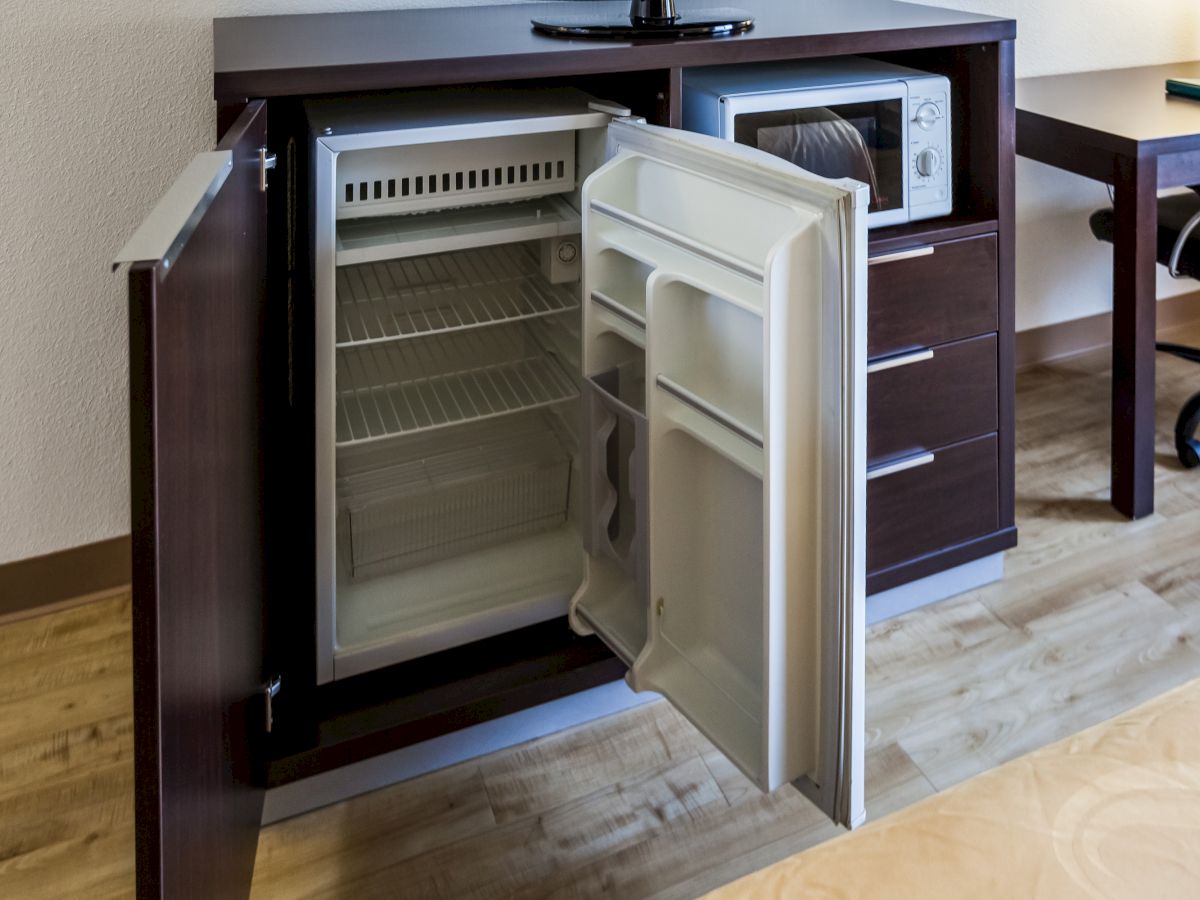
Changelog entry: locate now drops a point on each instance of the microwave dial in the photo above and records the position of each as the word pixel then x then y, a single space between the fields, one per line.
pixel 927 116
pixel 927 162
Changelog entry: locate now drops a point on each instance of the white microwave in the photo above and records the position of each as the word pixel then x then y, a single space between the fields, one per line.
pixel 847 117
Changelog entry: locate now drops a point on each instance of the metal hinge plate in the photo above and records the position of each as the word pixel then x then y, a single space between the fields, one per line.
pixel 270 691
pixel 266 160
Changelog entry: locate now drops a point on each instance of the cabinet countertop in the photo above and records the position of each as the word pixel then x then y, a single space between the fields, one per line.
pixel 265 56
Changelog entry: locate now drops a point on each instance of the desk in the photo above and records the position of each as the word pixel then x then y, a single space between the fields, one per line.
pixel 1120 127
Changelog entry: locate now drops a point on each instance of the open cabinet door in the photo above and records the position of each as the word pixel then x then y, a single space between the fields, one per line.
pixel 725 355
pixel 197 290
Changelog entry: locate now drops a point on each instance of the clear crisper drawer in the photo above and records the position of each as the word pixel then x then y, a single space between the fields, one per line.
pixel 490 483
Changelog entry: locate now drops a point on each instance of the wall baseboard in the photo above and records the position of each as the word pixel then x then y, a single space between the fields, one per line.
pixel 1051 342
pixel 46 583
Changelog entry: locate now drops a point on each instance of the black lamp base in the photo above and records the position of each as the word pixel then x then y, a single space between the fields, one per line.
pixel 618 26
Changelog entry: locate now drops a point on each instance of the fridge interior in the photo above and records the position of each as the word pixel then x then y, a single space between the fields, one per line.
pixel 627 390
pixel 452 270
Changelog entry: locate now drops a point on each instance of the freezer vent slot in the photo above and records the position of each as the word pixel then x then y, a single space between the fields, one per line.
pixel 420 177
pixel 508 480
pixel 404 387
pixel 405 298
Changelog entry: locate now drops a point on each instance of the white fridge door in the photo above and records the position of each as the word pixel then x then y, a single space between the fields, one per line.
pixel 724 479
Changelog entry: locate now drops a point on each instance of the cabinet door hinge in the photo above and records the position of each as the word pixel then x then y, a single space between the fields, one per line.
pixel 266 160
pixel 270 691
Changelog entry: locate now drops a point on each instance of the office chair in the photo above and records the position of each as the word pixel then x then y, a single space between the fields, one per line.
pixel 1178 217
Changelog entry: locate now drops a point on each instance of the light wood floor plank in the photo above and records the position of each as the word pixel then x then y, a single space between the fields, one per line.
pixel 558 768
pixel 316 856
pixel 528 854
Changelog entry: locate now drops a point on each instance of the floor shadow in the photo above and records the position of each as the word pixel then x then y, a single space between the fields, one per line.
pixel 1074 509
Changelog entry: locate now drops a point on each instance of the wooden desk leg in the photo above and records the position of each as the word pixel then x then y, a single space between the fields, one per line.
pixel 1135 184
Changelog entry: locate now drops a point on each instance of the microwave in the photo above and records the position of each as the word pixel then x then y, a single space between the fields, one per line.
pixel 885 125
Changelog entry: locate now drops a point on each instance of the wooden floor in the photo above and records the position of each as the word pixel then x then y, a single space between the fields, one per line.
pixel 1096 615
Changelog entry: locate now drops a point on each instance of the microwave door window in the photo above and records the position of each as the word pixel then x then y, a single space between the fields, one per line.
pixel 860 141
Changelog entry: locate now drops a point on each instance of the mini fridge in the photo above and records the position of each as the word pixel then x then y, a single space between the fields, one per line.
pixel 569 363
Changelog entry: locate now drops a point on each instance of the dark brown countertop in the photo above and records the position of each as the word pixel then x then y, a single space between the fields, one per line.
pixel 264 56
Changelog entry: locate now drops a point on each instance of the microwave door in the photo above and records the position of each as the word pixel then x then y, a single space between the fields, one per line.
pixel 846 132
pixel 724 347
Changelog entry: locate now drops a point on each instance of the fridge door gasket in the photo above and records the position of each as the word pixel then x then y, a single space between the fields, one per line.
pixel 755 371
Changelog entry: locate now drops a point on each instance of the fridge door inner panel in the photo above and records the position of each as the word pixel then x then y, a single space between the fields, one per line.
pixel 736 586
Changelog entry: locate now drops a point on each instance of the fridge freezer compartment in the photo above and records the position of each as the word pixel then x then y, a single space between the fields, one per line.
pixel 403 298
pixel 416 177
pixel 404 387
pixel 397 237
pixel 503 480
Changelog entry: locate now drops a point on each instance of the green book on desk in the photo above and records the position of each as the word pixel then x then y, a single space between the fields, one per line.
pixel 1184 87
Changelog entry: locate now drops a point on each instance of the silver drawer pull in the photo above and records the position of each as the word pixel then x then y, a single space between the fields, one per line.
pixel 900 255
pixel 900 465
pixel 904 359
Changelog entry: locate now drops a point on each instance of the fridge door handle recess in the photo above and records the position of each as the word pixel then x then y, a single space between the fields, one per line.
pixel 744 279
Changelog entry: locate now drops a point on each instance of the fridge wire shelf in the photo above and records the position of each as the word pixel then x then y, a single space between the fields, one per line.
pixel 405 298
pixel 405 387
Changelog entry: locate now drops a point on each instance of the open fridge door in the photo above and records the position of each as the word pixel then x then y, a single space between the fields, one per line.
pixel 724 517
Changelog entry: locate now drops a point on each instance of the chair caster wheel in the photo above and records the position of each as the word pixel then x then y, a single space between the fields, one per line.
pixel 1187 445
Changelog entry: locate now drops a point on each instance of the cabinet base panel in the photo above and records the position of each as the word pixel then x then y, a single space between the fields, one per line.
pixel 308 794
pixel 940 560
pixel 353 719
pixel 933 588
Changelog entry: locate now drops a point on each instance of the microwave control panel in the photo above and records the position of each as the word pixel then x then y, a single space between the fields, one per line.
pixel 929 148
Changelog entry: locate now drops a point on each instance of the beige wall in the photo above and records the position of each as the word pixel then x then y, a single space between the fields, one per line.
pixel 103 101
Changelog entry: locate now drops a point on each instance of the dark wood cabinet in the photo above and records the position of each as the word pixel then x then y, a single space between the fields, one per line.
pixel 949 498
pixel 221 385
pixel 196 314
pixel 931 398
pixel 931 294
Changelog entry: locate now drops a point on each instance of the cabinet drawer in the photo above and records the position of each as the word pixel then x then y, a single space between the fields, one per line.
pixel 947 500
pixel 931 295
pixel 916 401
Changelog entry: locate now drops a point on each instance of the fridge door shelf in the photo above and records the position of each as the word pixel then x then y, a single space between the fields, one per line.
pixel 396 237
pixel 405 387
pixel 497 481
pixel 404 298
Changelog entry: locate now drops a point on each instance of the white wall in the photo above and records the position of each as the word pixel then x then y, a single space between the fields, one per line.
pixel 103 101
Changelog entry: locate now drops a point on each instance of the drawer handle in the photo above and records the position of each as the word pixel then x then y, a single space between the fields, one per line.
pixel 904 359
pixel 900 255
pixel 900 465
